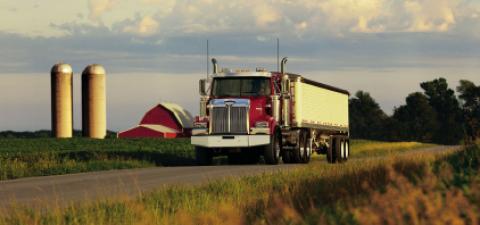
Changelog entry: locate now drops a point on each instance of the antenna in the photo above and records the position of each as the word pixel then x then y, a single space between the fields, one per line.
pixel 278 54
pixel 208 59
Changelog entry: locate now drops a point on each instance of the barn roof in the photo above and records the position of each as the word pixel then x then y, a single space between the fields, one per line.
pixel 183 116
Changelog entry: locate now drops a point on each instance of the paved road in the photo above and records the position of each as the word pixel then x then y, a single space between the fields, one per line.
pixel 61 190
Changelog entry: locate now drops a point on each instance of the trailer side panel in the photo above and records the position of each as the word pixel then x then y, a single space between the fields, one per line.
pixel 318 107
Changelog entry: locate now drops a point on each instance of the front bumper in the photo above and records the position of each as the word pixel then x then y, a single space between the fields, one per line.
pixel 230 141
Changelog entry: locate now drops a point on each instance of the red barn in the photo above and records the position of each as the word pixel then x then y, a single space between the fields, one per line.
pixel 165 120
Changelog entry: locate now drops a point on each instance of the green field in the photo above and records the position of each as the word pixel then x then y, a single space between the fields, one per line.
pixel 25 157
pixel 417 188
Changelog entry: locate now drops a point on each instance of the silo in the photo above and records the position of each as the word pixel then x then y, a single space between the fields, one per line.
pixel 61 100
pixel 94 115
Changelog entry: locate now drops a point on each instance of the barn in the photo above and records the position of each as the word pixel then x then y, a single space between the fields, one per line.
pixel 165 120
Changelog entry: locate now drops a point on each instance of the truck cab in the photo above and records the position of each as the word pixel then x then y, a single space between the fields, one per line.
pixel 237 112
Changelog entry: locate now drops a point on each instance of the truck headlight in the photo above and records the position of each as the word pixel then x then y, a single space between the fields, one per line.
pixel 261 124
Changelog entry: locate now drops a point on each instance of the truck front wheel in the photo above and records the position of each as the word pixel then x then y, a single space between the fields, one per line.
pixel 272 150
pixel 203 156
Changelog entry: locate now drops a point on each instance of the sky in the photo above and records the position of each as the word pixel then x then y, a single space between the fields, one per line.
pixel 154 50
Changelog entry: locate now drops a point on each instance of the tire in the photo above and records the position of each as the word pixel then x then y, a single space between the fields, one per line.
pixel 347 149
pixel 298 152
pixel 308 149
pixel 339 149
pixel 272 150
pixel 332 150
pixel 203 156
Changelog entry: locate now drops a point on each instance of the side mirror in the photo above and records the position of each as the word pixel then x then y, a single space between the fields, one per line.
pixel 202 89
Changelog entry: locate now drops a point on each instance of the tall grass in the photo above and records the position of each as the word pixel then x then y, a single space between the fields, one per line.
pixel 422 188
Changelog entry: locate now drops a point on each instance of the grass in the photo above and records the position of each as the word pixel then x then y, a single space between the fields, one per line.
pixel 26 157
pixel 418 188
pixel 375 148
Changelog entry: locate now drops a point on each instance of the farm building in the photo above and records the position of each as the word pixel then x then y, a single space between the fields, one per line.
pixel 165 120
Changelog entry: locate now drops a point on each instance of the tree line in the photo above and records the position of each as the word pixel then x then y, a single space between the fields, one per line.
pixel 436 115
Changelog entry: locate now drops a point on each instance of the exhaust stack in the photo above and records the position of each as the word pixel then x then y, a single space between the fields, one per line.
pixel 215 65
pixel 284 61
pixel 286 107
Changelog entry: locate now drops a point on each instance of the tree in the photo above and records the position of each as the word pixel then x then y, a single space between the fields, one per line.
pixel 417 120
pixel 470 96
pixel 447 108
pixel 366 117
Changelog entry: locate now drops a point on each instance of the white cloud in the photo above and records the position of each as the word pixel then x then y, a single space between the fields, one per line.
pixel 353 15
pixel 265 15
pixel 431 15
pixel 145 27
pixel 98 7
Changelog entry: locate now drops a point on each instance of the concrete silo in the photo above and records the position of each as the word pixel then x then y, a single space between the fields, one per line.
pixel 62 97
pixel 94 114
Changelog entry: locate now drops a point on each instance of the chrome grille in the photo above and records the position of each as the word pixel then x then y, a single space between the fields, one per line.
pixel 229 119
pixel 219 120
pixel 238 120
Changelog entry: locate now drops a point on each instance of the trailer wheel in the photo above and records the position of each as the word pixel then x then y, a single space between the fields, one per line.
pixel 343 152
pixel 339 151
pixel 203 156
pixel 330 150
pixel 347 149
pixel 272 150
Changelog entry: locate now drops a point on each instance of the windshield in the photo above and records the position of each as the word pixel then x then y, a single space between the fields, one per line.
pixel 241 86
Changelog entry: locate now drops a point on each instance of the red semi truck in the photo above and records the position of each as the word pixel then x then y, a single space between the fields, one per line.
pixel 277 115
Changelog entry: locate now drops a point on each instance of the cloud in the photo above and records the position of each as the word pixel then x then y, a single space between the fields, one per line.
pixel 302 18
pixel 97 7
pixel 144 27
pixel 353 15
pixel 265 15
pixel 431 15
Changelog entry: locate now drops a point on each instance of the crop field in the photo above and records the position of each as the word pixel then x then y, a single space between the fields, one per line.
pixel 417 188
pixel 25 157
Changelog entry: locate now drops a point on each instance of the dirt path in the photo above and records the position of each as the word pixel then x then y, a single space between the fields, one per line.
pixel 62 190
